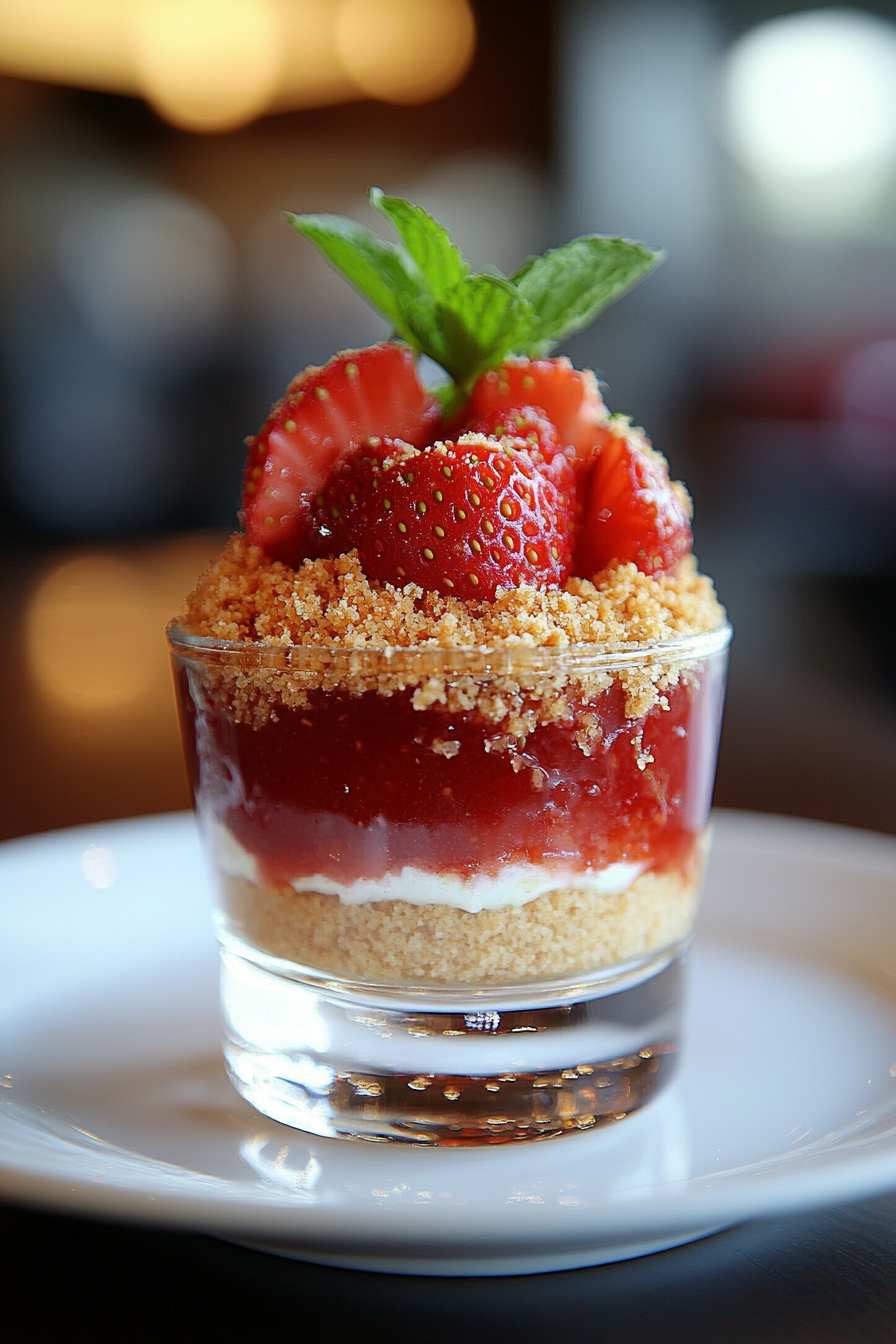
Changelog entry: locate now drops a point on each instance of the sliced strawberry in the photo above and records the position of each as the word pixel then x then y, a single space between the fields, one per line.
pixel 631 511
pixel 326 415
pixel 457 518
pixel 569 398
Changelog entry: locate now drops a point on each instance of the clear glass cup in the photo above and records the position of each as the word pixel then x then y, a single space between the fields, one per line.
pixel 455 887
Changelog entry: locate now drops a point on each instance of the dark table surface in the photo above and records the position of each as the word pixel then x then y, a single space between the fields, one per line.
pixel 824 1277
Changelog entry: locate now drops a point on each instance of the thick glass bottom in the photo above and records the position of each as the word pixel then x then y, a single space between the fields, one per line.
pixel 339 1064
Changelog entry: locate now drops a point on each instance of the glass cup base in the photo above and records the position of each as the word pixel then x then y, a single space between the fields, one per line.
pixel 314 1056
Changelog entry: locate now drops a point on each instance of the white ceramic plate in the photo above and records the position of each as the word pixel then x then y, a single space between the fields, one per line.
pixel 116 1103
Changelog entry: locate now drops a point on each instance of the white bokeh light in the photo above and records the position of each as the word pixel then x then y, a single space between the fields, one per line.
pixel 814 93
pixel 809 109
pixel 99 866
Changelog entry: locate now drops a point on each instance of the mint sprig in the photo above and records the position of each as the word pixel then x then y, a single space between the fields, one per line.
pixel 570 285
pixel 427 242
pixel 469 323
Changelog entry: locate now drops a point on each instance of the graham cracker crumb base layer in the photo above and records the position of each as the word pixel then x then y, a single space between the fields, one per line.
pixel 330 604
pixel 563 932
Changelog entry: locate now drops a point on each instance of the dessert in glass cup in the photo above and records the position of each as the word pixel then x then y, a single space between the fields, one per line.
pixel 450 706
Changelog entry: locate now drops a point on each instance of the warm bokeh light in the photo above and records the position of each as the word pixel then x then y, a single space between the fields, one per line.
pixel 212 65
pixel 95 631
pixel 85 43
pixel 406 51
pixel 313 71
pixel 810 111
pixel 90 646
pixel 208 65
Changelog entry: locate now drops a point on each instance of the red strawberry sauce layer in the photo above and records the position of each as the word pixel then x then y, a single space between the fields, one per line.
pixel 351 788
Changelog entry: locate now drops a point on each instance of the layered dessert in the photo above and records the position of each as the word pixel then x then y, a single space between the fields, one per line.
pixel 440 814
pixel 451 698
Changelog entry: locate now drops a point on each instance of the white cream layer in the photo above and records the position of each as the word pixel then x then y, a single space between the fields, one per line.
pixel 516 884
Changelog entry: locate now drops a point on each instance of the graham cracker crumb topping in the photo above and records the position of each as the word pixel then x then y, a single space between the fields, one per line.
pixel 330 603
pixel 248 597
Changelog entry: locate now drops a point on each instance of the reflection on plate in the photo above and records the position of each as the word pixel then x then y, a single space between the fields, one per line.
pixel 115 1101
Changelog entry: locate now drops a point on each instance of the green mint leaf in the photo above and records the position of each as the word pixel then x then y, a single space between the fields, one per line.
pixel 428 243
pixel 473 326
pixel 470 323
pixel 570 285
pixel 385 275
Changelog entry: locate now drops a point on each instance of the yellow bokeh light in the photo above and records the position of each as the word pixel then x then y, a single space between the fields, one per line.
pixel 95 631
pixel 208 65
pixel 84 43
pixel 406 51
pixel 90 645
pixel 212 65
pixel 313 72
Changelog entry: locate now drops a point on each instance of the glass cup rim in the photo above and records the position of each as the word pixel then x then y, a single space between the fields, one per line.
pixel 418 658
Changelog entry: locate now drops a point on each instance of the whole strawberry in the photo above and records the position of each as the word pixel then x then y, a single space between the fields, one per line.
pixel 329 470
pixel 522 427
pixel 462 519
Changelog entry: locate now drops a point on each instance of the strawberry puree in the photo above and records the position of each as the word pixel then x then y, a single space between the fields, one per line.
pixel 357 786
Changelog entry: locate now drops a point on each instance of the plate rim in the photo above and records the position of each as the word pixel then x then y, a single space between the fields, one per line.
pixel 842 1171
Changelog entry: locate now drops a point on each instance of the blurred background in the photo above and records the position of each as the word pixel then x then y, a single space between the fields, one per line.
pixel 153 306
